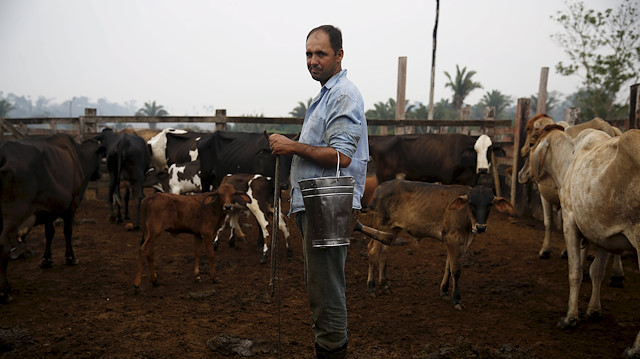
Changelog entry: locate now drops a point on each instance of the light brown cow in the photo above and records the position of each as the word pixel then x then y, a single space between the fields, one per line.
pixel 200 214
pixel 546 187
pixel 600 199
pixel 453 214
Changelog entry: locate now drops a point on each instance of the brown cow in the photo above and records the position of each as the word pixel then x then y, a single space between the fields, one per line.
pixel 200 214
pixel 453 214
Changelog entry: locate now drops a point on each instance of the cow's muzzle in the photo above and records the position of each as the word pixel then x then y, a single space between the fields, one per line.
pixel 483 171
pixel 227 207
pixel 479 228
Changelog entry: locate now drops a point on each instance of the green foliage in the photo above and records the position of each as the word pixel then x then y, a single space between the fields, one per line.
pixel 462 85
pixel 383 110
pixel 301 109
pixel 495 99
pixel 151 109
pixel 550 104
pixel 5 107
pixel 604 50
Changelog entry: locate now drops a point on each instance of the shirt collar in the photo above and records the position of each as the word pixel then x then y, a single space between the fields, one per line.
pixel 335 78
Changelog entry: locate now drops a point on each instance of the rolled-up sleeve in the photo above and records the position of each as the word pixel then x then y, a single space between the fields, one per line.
pixel 344 127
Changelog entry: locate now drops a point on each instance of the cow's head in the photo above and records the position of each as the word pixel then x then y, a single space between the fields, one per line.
pixel 226 195
pixel 482 150
pixel 478 204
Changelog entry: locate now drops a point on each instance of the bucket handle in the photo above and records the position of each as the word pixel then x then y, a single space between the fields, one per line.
pixel 338 165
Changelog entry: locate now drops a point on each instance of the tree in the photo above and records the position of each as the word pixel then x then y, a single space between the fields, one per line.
pixel 462 85
pixel 495 99
pixel 152 110
pixel 301 109
pixel 5 107
pixel 382 110
pixel 604 50
pixel 550 104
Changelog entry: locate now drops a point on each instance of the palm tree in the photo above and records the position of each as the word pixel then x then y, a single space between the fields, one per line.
pixel 550 103
pixel 152 110
pixel 301 109
pixel 495 99
pixel 5 107
pixel 382 110
pixel 462 85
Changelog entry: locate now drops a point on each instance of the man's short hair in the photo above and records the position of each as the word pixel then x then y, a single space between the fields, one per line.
pixel 335 36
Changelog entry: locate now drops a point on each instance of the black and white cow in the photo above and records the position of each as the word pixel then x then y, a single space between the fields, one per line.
pixel 444 158
pixel 171 146
pixel 260 190
pixel 181 178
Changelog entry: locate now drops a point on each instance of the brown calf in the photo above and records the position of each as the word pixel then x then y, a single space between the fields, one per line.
pixel 453 214
pixel 200 215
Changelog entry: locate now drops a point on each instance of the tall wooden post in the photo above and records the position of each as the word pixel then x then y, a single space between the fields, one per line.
pixel 221 126
pixel 634 107
pixel 87 124
pixel 400 94
pixel 542 91
pixel 519 195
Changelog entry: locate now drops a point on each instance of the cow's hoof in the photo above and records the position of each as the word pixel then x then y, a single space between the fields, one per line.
pixel 567 323
pixel 263 259
pixel 289 252
pixel 197 279
pixel 216 281
pixel 136 289
pixel 70 261
pixel 616 282
pixel 564 255
pixel 458 306
pixel 372 294
pixel 594 316
pixel 544 254
pixel 46 263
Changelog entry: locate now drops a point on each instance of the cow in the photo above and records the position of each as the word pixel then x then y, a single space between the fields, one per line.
pixel 181 178
pixel 200 215
pixel 453 214
pixel 171 146
pixel 42 179
pixel 260 190
pixel 600 201
pixel 370 185
pixel 127 159
pixel 444 158
pixel 549 160
pixel 546 187
pixel 223 153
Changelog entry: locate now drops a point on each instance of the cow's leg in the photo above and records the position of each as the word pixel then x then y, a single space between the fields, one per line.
pixel 374 253
pixel 141 254
pixel 209 247
pixel 572 240
pixel 634 350
pixel 235 228
pixel 197 245
pixel 115 200
pixel 138 194
pixel 456 270
pixel 444 285
pixel 69 257
pixel 282 224
pixel 149 254
pixel 222 227
pixel 49 233
pixel 127 197
pixel 617 273
pixel 259 211
pixel 597 271
pixel 547 211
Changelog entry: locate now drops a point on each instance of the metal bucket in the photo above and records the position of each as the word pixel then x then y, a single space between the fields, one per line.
pixel 328 202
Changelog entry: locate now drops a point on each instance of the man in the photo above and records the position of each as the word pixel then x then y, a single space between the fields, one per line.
pixel 335 122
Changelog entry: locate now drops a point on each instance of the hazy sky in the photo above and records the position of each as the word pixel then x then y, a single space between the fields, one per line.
pixel 248 56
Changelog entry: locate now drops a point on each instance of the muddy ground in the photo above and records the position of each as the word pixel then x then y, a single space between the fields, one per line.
pixel 512 299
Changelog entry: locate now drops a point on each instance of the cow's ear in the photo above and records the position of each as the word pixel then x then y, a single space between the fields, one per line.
pixel 241 198
pixel 498 151
pixel 503 205
pixel 210 198
pixel 459 203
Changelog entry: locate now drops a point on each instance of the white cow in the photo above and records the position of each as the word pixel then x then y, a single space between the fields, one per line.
pixel 600 198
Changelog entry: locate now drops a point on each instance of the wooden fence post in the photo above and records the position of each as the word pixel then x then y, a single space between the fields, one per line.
pixel 541 106
pixel 519 195
pixel 572 116
pixel 221 126
pixel 400 95
pixel 634 106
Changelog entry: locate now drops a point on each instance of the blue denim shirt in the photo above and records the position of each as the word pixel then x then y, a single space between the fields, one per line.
pixel 335 119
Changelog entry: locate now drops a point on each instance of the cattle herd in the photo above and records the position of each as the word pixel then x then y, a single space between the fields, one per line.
pixel 425 185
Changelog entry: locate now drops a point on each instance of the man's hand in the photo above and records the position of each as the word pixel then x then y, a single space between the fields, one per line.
pixel 281 145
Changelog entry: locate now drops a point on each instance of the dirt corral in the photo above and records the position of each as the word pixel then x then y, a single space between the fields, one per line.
pixel 512 299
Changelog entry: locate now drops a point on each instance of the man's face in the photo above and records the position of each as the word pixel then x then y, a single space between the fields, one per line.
pixel 322 61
